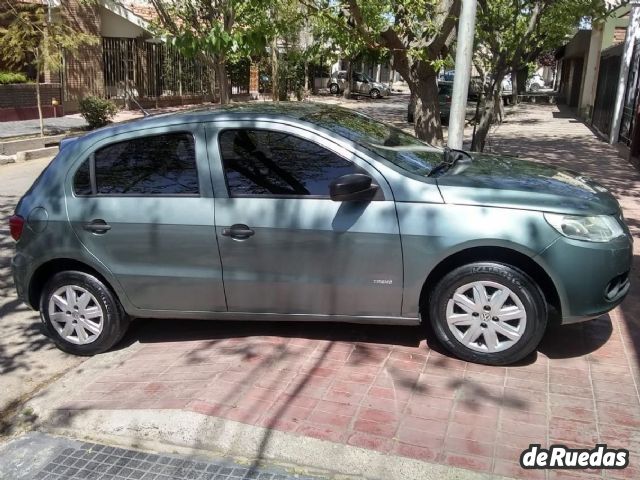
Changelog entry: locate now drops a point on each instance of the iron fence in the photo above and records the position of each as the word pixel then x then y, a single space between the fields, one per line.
pixel 150 69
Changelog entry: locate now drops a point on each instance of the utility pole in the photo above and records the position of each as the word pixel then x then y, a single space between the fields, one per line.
pixel 633 34
pixel 464 51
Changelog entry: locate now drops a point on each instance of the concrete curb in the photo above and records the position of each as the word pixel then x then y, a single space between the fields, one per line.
pixel 5 159
pixel 171 431
pixel 11 147
pixel 38 153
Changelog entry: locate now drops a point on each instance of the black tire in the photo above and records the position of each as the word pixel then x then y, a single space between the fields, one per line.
pixel 334 88
pixel 518 282
pixel 115 320
pixel 374 93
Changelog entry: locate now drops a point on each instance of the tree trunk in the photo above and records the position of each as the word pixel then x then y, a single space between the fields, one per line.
pixel 38 99
pixel 519 81
pixel 514 87
pixel 427 110
pixel 275 71
pixel 223 81
pixel 493 104
pixel 305 91
pixel 348 83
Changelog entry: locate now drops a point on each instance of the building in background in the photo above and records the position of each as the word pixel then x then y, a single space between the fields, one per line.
pixel 589 67
pixel 127 62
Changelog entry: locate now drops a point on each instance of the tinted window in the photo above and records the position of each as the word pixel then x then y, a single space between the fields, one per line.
pixel 162 164
pixel 82 180
pixel 263 162
pixel 378 136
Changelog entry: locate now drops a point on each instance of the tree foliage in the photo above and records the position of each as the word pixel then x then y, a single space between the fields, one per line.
pixel 216 31
pixel 35 36
pixel 512 33
pixel 415 34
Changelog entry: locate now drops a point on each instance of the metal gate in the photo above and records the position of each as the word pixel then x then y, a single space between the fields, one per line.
pixel 606 93
pixel 239 74
pixel 148 69
pixel 630 97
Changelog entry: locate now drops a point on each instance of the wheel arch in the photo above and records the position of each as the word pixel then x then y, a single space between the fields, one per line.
pixel 503 255
pixel 49 268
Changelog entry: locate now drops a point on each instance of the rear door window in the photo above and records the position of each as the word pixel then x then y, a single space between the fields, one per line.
pixel 152 165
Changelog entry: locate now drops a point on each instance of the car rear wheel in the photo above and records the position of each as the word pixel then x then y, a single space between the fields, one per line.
pixel 374 93
pixel 334 89
pixel 488 313
pixel 81 313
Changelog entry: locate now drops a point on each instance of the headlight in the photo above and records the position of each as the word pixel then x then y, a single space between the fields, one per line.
pixel 599 228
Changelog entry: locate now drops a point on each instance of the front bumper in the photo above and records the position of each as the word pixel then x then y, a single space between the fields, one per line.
pixel 591 278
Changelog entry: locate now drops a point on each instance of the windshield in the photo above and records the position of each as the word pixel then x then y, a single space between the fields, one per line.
pixel 367 78
pixel 401 149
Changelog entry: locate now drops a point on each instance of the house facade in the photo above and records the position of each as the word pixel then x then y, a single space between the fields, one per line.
pixel 126 63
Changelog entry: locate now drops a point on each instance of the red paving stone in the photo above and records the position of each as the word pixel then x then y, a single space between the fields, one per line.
pixel 387 389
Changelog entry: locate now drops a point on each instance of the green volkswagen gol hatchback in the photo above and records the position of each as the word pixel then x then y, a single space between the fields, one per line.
pixel 308 212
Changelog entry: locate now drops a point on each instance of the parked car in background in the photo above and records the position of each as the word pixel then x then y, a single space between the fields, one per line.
pixel 447 76
pixel 362 85
pixel 535 83
pixel 298 211
pixel 445 90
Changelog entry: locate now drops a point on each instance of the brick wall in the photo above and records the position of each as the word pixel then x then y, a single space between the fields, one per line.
pixel 83 71
pixel 18 102
pixel 24 94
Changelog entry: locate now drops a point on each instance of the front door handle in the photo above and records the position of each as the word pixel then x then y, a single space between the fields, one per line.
pixel 238 231
pixel 97 226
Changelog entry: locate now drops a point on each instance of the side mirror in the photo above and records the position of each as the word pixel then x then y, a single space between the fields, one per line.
pixel 352 187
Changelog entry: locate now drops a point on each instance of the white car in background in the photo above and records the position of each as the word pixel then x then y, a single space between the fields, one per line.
pixel 535 83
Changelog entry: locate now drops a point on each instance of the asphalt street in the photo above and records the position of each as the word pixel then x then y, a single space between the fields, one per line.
pixel 28 360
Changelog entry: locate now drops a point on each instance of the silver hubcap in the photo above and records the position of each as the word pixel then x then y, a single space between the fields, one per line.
pixel 76 314
pixel 486 316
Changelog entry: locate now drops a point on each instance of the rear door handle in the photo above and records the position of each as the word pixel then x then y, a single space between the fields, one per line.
pixel 238 231
pixel 97 226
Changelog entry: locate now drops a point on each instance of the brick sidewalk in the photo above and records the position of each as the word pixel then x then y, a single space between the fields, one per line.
pixel 388 389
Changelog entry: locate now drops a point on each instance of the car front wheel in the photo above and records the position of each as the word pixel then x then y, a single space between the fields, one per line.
pixel 488 313
pixel 334 89
pixel 374 93
pixel 81 313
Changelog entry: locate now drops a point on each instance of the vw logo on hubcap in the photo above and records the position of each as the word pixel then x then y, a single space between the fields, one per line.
pixel 485 316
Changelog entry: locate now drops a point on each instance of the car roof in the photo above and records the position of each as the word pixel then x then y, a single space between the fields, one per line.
pixel 284 111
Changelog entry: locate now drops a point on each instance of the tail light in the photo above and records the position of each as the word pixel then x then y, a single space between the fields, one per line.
pixel 16 225
pixel 447 99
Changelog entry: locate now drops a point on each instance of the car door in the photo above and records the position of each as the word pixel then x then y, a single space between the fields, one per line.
pixel 286 247
pixel 360 84
pixel 142 204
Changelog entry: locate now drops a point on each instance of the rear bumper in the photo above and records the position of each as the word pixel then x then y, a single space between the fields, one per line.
pixel 19 268
pixel 591 278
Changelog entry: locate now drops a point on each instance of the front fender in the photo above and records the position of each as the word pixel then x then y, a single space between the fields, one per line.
pixel 431 233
